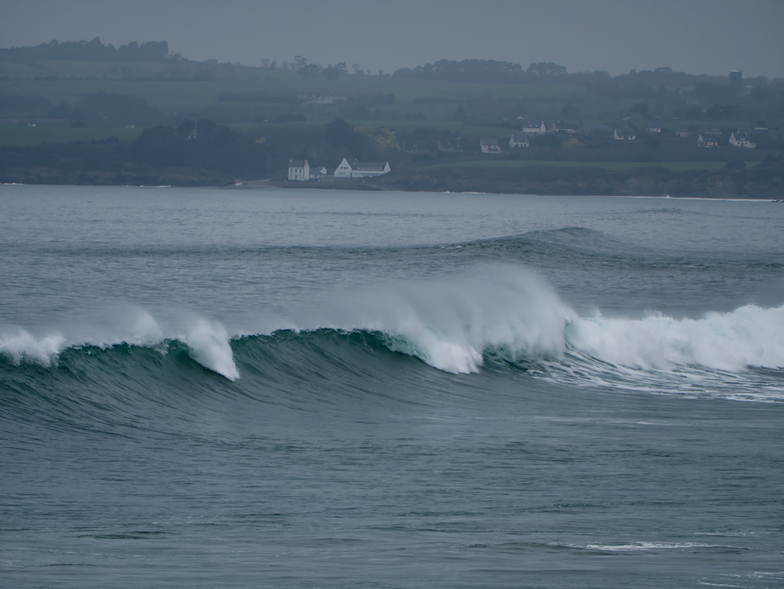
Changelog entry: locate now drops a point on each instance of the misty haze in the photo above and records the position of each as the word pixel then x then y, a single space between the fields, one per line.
pixel 436 295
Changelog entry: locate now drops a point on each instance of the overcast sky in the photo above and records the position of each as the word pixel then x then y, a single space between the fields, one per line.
pixel 694 36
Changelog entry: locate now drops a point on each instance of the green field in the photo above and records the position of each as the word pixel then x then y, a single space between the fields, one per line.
pixel 180 91
pixel 196 89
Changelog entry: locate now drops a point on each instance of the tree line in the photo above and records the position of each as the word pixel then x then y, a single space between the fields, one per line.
pixel 190 149
pixel 151 51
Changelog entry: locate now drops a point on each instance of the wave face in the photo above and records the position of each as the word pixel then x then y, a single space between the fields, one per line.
pixel 491 319
pixel 307 388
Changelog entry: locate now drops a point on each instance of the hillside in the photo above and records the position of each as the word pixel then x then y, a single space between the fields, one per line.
pixel 77 112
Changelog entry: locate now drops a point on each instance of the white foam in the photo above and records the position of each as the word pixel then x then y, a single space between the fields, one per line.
pixel 208 341
pixel 505 311
pixel 210 347
pixel 747 337
pixel 644 546
pixel 22 346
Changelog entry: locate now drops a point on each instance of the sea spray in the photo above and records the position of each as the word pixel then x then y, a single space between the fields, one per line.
pixel 210 347
pixel 21 346
pixel 449 323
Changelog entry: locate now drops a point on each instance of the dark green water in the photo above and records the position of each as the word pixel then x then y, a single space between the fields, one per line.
pixel 261 388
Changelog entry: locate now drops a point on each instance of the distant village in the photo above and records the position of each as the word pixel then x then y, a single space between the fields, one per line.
pixel 301 171
pixel 529 129
pixel 707 138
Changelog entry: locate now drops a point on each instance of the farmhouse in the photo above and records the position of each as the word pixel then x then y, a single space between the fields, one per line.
pixel 299 170
pixel 534 128
pixel 519 141
pixel 357 169
pixel 489 146
pixel 739 139
pixel 709 139
pixel 625 134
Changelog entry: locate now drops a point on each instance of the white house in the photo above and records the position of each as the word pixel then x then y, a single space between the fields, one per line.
pixel 625 134
pixel 709 139
pixel 519 141
pixel 299 170
pixel 357 169
pixel 739 139
pixel 319 172
pixel 489 146
pixel 533 128
pixel 343 170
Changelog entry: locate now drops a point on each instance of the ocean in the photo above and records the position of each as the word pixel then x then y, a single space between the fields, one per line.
pixel 259 387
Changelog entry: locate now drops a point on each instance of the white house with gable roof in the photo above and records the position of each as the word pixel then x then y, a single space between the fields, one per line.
pixel 739 139
pixel 357 169
pixel 519 141
pixel 489 146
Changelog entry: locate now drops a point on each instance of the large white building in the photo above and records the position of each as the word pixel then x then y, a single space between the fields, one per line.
pixel 357 169
pixel 299 170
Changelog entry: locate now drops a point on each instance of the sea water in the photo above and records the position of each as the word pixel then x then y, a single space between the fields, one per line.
pixel 305 388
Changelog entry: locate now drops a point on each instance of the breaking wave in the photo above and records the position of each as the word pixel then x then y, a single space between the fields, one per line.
pixel 493 319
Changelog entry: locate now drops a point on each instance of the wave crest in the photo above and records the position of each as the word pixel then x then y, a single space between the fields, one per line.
pixel 207 343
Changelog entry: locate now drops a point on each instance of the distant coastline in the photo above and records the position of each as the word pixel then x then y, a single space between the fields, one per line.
pixel 85 113
pixel 761 183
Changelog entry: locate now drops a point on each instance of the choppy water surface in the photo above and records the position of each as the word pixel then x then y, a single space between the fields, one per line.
pixel 290 388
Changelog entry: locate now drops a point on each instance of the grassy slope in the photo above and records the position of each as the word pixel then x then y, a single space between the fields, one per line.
pixel 25 136
pixel 610 166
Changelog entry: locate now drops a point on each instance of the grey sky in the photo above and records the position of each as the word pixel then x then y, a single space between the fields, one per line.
pixel 695 36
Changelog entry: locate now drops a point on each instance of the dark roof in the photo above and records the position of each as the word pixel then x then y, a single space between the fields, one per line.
pixel 369 166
